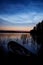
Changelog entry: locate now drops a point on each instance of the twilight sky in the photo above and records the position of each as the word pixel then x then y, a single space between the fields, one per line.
pixel 20 12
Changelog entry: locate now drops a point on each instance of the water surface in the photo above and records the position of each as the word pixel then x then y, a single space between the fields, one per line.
pixel 24 39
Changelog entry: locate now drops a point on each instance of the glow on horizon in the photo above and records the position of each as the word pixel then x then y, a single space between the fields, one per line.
pixel 16 28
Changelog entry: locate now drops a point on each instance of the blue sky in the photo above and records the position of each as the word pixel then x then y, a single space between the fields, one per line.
pixel 21 12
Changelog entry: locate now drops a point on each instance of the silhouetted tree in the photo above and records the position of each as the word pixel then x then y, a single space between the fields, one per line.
pixel 38 28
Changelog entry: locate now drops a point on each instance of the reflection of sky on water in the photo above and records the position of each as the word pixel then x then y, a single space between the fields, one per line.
pixel 28 43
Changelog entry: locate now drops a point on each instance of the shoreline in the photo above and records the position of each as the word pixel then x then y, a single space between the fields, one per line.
pixel 6 31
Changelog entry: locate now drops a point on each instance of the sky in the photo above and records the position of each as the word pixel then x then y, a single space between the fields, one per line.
pixel 21 12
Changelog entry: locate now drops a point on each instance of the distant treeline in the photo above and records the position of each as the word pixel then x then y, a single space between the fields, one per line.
pixel 38 29
pixel 10 31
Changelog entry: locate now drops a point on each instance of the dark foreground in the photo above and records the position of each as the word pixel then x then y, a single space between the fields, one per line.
pixel 14 55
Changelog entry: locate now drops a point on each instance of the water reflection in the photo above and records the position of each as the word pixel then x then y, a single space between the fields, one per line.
pixel 25 39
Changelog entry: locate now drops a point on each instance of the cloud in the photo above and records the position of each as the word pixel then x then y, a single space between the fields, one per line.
pixel 27 19
pixel 19 18
pixel 38 17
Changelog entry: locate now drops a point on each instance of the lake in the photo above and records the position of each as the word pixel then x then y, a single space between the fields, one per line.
pixel 24 39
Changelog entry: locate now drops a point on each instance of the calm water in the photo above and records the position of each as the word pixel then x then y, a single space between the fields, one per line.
pixel 24 39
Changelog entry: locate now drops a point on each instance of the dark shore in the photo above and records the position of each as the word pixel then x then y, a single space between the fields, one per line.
pixel 7 31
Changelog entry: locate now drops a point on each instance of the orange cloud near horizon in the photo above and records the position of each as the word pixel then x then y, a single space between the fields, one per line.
pixel 13 28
